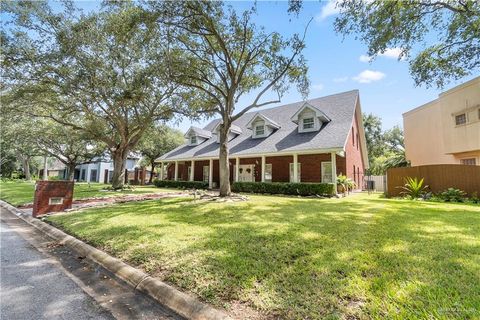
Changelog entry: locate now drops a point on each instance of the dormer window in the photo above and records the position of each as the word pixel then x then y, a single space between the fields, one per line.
pixel 308 123
pixel 196 136
pixel 259 130
pixel 309 118
pixel 261 126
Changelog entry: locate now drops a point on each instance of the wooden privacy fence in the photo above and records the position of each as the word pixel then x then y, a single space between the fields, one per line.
pixel 438 177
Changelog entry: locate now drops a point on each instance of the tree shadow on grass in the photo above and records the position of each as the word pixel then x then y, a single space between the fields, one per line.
pixel 313 265
pixel 302 258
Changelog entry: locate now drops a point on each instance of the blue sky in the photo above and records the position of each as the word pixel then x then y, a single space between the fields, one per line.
pixel 337 64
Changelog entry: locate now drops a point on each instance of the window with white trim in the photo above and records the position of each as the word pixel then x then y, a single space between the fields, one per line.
pixel 268 172
pixel 460 119
pixel 193 140
pixel 189 172
pixel 471 161
pixel 299 172
pixel 327 172
pixel 259 130
pixel 206 173
pixel 308 123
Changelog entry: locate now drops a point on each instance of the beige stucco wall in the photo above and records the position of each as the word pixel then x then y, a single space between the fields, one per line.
pixel 431 136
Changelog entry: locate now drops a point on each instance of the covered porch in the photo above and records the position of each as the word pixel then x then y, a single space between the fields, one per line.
pixel 297 167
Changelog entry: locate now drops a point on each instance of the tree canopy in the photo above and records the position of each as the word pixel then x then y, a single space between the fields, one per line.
pixel 158 140
pixel 102 73
pixel 440 39
pixel 386 149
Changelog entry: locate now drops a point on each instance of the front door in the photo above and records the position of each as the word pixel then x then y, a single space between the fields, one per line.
pixel 245 173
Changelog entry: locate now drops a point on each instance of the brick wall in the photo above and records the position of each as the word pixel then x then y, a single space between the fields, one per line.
pixel 310 168
pixel 353 154
pixel 280 168
pixel 44 190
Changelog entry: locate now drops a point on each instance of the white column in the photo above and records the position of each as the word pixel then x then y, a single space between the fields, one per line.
pixel 192 171
pixel 334 170
pixel 210 174
pixel 176 171
pixel 45 168
pixel 161 170
pixel 237 168
pixel 295 168
pixel 263 168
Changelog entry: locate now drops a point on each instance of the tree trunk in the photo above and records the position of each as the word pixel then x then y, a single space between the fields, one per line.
pixel 71 171
pixel 224 163
pixel 26 168
pixel 151 173
pixel 45 168
pixel 119 157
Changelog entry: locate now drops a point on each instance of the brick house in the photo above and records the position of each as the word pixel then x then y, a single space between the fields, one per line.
pixel 308 141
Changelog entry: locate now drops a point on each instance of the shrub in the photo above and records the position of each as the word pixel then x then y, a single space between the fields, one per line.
pixel 413 188
pixel 180 184
pixel 453 195
pixel 474 198
pixel 302 189
pixel 347 184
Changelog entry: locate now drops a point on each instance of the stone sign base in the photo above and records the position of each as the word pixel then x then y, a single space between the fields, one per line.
pixel 52 196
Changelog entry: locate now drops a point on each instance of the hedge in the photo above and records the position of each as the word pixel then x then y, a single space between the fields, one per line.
pixel 180 184
pixel 302 189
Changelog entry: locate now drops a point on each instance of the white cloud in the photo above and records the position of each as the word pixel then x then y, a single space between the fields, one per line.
pixel 341 79
pixel 367 76
pixel 317 87
pixel 365 58
pixel 391 53
pixel 330 9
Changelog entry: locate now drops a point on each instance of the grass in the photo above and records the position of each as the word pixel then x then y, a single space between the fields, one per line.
pixel 354 258
pixel 21 192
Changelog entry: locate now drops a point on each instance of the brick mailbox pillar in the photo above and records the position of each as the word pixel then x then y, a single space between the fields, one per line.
pixel 52 196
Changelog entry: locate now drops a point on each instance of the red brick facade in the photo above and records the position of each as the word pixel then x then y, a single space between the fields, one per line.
pixel 45 190
pixel 310 168
pixel 353 154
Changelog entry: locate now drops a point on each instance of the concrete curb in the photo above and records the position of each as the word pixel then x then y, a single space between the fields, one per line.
pixel 182 303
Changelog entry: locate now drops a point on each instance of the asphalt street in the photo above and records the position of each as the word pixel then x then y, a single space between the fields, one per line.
pixel 41 279
pixel 33 287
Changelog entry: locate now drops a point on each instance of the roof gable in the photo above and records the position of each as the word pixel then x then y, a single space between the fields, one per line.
pixel 268 122
pixel 198 132
pixel 318 113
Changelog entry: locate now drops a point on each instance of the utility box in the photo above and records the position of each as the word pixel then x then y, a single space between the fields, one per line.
pixel 52 196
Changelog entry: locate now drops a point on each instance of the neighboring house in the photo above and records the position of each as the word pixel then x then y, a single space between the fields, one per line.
pixel 447 129
pixel 101 169
pixel 312 141
pixel 56 169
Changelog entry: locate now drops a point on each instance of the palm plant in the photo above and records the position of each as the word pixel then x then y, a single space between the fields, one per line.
pixel 413 188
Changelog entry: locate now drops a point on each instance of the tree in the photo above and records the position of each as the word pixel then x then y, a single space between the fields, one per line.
pixel 407 25
pixel 67 145
pixel 227 56
pixel 385 149
pixel 373 135
pixel 106 69
pixel 18 138
pixel 157 141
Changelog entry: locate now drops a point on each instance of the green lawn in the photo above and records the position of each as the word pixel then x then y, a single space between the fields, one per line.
pixel 358 257
pixel 21 192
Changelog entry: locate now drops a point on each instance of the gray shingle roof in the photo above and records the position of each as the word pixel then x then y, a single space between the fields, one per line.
pixel 339 108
